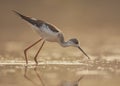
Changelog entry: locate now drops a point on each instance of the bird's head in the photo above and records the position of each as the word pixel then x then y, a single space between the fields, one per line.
pixel 75 43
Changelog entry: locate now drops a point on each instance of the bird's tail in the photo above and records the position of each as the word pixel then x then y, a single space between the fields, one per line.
pixel 28 19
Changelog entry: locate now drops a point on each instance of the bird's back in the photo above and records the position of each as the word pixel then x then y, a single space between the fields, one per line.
pixel 45 30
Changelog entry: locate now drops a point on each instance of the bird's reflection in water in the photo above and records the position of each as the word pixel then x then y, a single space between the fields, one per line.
pixel 74 83
pixel 42 83
pixel 37 74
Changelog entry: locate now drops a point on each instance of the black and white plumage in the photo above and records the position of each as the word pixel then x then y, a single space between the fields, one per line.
pixel 48 32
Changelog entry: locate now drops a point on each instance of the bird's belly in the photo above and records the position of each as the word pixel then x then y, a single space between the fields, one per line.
pixel 47 35
pixel 51 39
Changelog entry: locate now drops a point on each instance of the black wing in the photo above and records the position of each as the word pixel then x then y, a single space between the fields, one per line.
pixel 52 28
pixel 37 23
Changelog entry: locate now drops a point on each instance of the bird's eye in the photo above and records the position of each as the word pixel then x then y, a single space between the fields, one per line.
pixel 75 41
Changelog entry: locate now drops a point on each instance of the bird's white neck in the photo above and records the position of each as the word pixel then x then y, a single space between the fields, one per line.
pixel 62 42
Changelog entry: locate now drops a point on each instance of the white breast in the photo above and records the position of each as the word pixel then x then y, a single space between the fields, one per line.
pixel 45 32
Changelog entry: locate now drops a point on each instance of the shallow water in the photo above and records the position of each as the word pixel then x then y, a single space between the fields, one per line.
pixel 55 73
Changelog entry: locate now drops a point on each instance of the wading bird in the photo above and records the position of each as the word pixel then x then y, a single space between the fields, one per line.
pixel 47 32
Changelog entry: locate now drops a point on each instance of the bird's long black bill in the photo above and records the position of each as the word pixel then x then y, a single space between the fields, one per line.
pixel 84 52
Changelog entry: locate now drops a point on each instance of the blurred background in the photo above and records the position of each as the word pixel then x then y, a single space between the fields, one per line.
pixel 95 23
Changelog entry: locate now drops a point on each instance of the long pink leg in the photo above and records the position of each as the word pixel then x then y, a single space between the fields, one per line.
pixel 35 58
pixel 25 51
